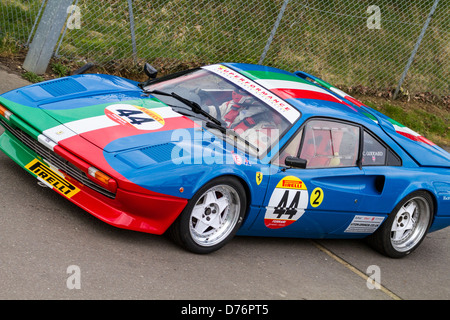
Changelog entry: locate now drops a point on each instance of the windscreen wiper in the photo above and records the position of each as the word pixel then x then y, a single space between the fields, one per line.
pixel 194 105
pixel 232 132
pixel 214 124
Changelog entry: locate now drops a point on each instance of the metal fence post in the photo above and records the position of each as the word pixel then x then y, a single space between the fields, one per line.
pixel 133 36
pixel 274 30
pixel 64 31
pixel 46 37
pixel 416 47
pixel 35 22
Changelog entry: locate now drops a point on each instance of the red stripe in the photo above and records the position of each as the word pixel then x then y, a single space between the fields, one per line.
pixel 307 94
pixel 416 138
pixel 88 155
pixel 303 94
pixel 351 99
pixel 102 137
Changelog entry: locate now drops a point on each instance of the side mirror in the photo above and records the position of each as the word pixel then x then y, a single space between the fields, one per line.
pixel 150 71
pixel 295 162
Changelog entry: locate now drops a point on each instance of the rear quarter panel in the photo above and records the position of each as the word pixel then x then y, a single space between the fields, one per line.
pixel 402 181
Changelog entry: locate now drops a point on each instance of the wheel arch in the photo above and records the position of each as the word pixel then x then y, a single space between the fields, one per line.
pixel 414 188
pixel 180 230
pixel 381 240
pixel 408 192
pixel 244 182
pixel 435 204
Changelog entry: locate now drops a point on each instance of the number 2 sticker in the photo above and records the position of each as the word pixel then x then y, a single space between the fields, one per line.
pixel 316 197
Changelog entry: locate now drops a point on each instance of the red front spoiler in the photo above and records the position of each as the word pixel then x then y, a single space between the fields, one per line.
pixel 150 212
pixel 133 211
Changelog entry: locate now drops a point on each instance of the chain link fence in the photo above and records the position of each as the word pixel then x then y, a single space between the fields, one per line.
pixel 17 19
pixel 352 44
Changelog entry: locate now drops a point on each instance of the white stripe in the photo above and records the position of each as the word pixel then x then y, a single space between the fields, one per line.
pixel 406 130
pixel 166 112
pixel 73 128
pixel 58 133
pixel 46 141
pixel 89 124
pixel 340 92
pixel 278 104
pixel 286 84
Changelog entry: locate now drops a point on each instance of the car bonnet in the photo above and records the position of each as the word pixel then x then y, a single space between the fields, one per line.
pixel 97 108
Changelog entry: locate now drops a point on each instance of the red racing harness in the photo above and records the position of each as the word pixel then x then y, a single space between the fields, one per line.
pixel 246 123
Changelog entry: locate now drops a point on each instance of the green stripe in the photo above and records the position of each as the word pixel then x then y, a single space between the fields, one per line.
pixel 396 123
pixel 99 109
pixel 256 75
pixel 29 115
pixel 370 116
pixel 16 150
pixel 34 116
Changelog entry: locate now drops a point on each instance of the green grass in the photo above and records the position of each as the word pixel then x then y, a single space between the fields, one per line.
pixel 433 125
pixel 326 38
pixel 59 69
pixel 32 77
pixel 17 18
pixel 420 120
pixel 8 46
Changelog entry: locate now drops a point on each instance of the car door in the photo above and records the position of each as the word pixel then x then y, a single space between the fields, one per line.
pixel 384 173
pixel 325 195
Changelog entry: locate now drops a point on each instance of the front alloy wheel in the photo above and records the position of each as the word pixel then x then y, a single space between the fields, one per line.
pixel 405 227
pixel 212 217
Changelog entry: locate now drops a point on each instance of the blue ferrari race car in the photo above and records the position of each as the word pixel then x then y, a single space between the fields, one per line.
pixel 229 149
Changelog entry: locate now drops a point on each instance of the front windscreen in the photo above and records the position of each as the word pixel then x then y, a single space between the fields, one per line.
pixel 258 124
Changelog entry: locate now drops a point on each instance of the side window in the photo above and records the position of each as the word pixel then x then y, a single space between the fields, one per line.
pixel 290 150
pixel 330 144
pixel 374 153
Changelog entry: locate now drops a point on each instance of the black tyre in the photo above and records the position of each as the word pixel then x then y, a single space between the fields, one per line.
pixel 406 226
pixel 212 217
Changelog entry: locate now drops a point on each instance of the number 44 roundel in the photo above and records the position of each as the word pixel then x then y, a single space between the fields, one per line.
pixel 287 203
pixel 135 116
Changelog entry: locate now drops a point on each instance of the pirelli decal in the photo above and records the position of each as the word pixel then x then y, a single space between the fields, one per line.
pixel 52 178
pixel 287 203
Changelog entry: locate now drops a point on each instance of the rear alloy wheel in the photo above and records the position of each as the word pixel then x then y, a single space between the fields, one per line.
pixel 406 226
pixel 212 217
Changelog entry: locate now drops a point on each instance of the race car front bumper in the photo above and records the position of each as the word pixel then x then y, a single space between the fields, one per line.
pixel 150 212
